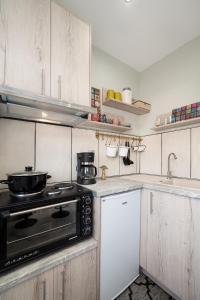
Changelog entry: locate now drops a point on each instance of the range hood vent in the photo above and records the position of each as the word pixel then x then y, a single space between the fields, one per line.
pixel 24 105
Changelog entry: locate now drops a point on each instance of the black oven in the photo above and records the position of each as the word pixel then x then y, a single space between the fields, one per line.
pixel 29 233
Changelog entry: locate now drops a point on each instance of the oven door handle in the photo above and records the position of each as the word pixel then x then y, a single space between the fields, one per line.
pixel 18 213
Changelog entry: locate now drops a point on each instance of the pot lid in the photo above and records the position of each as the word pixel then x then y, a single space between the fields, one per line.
pixel 27 172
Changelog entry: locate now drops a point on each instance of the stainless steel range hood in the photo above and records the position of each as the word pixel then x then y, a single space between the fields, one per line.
pixel 24 105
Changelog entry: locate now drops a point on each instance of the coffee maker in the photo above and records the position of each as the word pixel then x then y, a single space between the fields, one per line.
pixel 86 171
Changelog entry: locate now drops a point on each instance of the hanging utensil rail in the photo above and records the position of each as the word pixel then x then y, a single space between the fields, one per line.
pixel 117 136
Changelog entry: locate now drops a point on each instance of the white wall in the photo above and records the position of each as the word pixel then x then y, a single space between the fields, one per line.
pixel 108 72
pixel 170 83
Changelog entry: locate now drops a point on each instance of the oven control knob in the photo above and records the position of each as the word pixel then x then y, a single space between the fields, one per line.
pixel 87 230
pixel 88 220
pixel 88 200
pixel 88 210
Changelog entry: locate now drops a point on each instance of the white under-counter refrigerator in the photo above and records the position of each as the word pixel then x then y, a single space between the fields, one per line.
pixel 120 236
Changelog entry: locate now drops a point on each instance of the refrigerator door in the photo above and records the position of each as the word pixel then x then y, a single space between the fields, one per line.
pixel 120 234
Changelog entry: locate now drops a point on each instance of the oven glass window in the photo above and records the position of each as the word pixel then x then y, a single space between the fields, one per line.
pixel 35 229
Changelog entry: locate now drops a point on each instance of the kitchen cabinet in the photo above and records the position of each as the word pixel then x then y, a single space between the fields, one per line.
pixel 27 62
pixel 38 288
pixel 70 57
pixel 165 243
pixel 76 279
pixel 119 250
pixel 72 280
pixel 194 240
pixel 2 42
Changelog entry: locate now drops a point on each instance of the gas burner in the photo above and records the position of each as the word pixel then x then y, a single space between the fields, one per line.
pixel 64 186
pixel 60 214
pixel 26 223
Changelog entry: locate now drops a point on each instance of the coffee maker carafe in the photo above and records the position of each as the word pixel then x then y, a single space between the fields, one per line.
pixel 86 171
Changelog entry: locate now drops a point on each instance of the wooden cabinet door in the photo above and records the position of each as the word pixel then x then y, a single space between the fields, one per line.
pixel 28 45
pixel 83 277
pixel 168 241
pixel 38 288
pixel 194 270
pixel 2 42
pixel 62 282
pixel 76 280
pixel 70 57
pixel 144 228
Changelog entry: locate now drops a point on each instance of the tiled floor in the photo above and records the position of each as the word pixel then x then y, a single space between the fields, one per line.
pixel 144 289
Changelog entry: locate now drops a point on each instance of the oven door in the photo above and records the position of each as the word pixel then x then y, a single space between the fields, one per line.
pixel 41 228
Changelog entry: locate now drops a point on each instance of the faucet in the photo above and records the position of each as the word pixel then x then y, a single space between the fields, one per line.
pixel 169 172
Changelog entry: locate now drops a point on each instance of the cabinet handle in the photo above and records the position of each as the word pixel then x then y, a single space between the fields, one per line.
pixel 63 285
pixel 59 87
pixel 43 290
pixel 124 203
pixel 151 203
pixel 43 82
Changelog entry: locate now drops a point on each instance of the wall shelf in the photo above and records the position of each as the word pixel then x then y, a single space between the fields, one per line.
pixel 177 124
pixel 103 126
pixel 137 108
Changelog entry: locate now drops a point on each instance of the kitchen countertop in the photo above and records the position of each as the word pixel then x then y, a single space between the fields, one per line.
pixel 34 268
pixel 113 185
pixel 183 187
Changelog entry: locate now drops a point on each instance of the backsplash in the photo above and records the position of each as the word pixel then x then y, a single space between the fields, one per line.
pixel 53 148
pixel 184 143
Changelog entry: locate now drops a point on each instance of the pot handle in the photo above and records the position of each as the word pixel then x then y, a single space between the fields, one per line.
pixel 4 181
pixel 49 176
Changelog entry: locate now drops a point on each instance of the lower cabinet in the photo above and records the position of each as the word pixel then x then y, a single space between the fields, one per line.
pixel 38 288
pixel 76 280
pixel 194 239
pixel 166 241
pixel 73 280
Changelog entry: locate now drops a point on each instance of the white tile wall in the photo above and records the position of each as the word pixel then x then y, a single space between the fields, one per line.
pixel 179 143
pixel 111 162
pixel 150 159
pixel 17 146
pixel 83 141
pixel 53 151
pixel 195 152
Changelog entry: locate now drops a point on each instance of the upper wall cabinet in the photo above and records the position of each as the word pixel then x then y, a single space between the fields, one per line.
pixel 27 24
pixel 2 43
pixel 70 57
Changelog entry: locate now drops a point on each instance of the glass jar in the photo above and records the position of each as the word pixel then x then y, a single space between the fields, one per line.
pixel 127 95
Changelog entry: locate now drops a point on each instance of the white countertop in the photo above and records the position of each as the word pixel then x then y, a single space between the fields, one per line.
pixel 184 187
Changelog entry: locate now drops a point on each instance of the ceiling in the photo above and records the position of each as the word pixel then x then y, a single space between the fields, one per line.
pixel 142 32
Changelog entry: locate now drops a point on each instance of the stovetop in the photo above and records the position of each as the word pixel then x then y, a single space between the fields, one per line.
pixel 55 193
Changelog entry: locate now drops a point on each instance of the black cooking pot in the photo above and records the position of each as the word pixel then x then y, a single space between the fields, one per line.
pixel 27 182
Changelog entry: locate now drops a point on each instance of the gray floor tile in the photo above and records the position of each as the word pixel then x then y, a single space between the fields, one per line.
pixel 144 289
